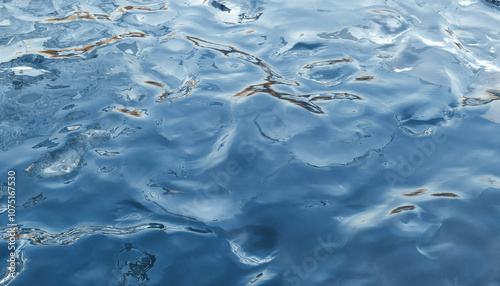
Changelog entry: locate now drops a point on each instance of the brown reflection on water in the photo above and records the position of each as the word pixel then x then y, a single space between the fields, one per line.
pixel 402 209
pixel 302 100
pixel 415 193
pixel 80 15
pixel 364 78
pixel 84 15
pixel 232 52
pixel 136 113
pixel 142 8
pixel 326 63
pixel 77 52
pixel 490 96
pixel 273 78
pixel 155 83
pixel 450 195
pixel 184 90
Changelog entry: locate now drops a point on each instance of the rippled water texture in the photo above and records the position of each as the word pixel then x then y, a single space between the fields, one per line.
pixel 247 142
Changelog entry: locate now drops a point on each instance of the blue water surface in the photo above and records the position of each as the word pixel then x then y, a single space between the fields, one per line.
pixel 248 142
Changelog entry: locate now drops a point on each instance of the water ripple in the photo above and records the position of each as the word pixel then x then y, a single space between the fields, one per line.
pixel 248 142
